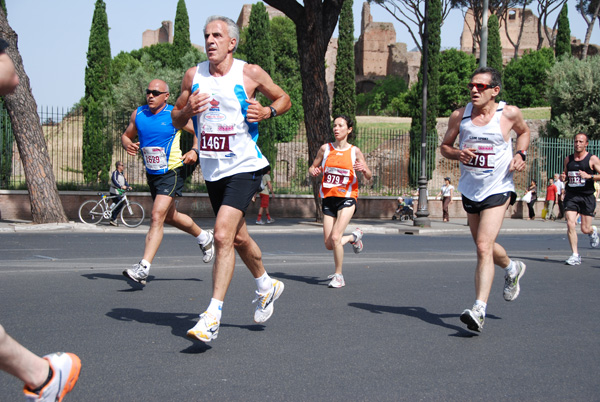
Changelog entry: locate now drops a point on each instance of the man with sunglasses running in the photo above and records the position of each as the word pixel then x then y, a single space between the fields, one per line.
pixel 487 164
pixel 166 171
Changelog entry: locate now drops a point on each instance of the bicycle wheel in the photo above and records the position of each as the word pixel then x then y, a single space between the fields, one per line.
pixel 132 215
pixel 91 212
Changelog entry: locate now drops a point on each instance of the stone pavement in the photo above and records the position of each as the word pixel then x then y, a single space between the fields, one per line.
pixel 456 226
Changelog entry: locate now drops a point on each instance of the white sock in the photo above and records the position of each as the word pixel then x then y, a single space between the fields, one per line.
pixel 215 308
pixel 202 237
pixel 511 269
pixel 145 263
pixel 481 304
pixel 264 283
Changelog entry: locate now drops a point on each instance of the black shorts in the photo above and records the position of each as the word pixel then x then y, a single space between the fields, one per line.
pixel 170 183
pixel 235 191
pixel 331 205
pixel 584 204
pixel 474 207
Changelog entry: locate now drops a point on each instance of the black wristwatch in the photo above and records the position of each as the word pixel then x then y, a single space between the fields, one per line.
pixel 273 112
pixel 523 154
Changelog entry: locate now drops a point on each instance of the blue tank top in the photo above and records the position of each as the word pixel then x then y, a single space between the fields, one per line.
pixel 159 140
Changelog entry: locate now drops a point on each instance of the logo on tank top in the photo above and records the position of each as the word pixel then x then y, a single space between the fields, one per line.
pixel 214 112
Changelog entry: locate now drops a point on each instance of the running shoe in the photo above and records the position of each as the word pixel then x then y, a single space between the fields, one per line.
pixel 474 318
pixel 113 222
pixel 65 373
pixel 270 220
pixel 206 329
pixel 573 260
pixel 260 222
pixel 208 249
pixel 511 285
pixel 265 301
pixel 594 239
pixel 357 244
pixel 337 281
pixel 138 273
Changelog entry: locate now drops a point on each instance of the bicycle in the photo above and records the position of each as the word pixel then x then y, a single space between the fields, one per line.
pixel 92 212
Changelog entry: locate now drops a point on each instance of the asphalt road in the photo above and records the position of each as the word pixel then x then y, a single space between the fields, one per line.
pixel 393 333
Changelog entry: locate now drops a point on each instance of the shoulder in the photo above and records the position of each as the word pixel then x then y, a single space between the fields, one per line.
pixel 512 112
pixel 253 71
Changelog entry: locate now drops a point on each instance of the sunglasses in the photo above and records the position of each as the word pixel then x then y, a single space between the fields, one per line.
pixel 480 87
pixel 154 92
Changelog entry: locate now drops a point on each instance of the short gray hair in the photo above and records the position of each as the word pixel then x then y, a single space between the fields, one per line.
pixel 232 29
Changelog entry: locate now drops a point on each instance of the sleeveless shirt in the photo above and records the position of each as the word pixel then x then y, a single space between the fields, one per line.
pixel 339 178
pixel 575 184
pixel 159 140
pixel 488 172
pixel 227 141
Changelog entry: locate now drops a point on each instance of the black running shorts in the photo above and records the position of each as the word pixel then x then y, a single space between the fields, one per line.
pixel 170 183
pixel 584 204
pixel 474 207
pixel 235 191
pixel 331 205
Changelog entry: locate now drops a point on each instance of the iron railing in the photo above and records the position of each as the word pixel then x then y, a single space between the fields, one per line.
pixel 387 153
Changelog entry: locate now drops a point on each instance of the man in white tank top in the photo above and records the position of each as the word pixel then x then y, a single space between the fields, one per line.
pixel 487 164
pixel 220 97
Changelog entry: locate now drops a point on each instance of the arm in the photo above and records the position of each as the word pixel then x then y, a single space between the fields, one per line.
pixel 113 179
pixel 514 115
pixel 257 79
pixel 129 135
pixel 270 186
pixel 595 166
pixel 315 169
pixel 447 148
pixel 191 156
pixel 188 104
pixel 361 165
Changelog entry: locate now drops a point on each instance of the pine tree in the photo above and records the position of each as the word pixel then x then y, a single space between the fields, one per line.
pixel 181 37
pixel 259 51
pixel 494 44
pixel 97 145
pixel 563 35
pixel 344 87
pixel 433 77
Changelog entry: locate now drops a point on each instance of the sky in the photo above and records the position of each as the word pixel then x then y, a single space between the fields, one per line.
pixel 53 35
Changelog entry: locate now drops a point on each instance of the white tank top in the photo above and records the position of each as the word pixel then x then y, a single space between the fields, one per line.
pixel 487 173
pixel 227 142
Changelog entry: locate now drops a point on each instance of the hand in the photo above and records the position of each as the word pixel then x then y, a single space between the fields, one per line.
pixel 190 157
pixel 517 163
pixel 585 175
pixel 132 148
pixel 256 112
pixel 359 167
pixel 198 103
pixel 314 171
pixel 466 155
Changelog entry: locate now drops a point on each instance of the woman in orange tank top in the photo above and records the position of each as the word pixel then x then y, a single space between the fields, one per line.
pixel 339 162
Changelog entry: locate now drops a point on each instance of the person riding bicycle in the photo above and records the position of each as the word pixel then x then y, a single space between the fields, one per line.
pixel 118 184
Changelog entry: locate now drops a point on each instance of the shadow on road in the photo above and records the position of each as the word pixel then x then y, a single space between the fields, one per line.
pixel 134 285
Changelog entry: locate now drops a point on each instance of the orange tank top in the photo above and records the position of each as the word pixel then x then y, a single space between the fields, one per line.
pixel 339 178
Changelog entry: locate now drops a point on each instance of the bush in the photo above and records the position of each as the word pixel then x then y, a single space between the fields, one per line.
pixel 380 100
pixel 574 94
pixel 525 78
pixel 456 68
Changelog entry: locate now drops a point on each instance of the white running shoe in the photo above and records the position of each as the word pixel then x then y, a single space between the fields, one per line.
pixel 357 244
pixel 206 329
pixel 260 222
pixel 337 281
pixel 573 260
pixel 511 285
pixel 208 249
pixel 138 273
pixel 265 301
pixel 594 239
pixel 65 373
pixel 270 220
pixel 474 318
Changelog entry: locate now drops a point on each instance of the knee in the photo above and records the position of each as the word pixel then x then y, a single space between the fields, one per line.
pixel 484 248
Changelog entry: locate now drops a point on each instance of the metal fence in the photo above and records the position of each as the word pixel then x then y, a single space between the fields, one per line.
pixel 387 153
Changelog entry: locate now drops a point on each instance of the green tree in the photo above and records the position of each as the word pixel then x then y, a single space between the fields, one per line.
pixel 494 55
pixel 573 87
pixel 525 78
pixel 181 37
pixel 344 86
pixel 384 98
pixel 259 51
pixel 433 77
pixel 563 34
pixel 97 145
pixel 456 68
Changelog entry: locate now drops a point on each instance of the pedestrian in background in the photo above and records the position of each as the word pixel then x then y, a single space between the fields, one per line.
pixel 531 204
pixel 551 199
pixel 446 194
pixel 559 182
pixel 264 194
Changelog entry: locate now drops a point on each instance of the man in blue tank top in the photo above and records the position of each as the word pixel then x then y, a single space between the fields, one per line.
pixel 220 95
pixel 166 171
pixel 580 169
pixel 487 164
